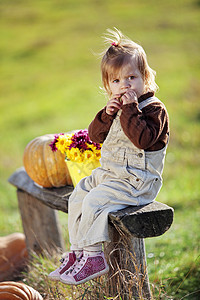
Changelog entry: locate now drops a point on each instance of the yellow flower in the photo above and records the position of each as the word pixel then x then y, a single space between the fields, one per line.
pixel 89 155
pixel 97 154
pixel 61 143
pixel 68 139
pixel 91 146
pixel 74 154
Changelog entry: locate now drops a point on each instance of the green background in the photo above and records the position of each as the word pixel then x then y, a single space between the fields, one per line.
pixel 50 82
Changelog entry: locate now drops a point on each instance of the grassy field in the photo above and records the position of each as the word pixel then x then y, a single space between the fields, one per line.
pixel 50 81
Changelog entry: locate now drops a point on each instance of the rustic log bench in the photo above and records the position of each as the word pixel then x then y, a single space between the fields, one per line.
pixel 128 227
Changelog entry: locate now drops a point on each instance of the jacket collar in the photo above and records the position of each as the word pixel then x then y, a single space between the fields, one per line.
pixel 145 96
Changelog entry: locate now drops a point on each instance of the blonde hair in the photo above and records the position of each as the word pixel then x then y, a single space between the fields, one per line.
pixel 120 51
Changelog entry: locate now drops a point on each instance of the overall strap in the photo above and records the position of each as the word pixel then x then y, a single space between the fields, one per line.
pixel 148 101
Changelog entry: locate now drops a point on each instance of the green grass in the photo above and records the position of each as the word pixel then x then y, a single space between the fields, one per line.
pixel 50 82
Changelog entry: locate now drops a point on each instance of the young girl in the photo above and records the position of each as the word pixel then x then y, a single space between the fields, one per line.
pixel 134 130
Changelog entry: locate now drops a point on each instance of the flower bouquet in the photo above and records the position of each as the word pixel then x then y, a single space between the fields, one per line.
pixel 82 155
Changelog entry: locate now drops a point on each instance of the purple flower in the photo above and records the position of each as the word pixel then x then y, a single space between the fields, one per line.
pixel 53 143
pixel 80 140
pixel 97 145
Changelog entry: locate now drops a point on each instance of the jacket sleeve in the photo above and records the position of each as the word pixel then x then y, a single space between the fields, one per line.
pixel 148 128
pixel 100 126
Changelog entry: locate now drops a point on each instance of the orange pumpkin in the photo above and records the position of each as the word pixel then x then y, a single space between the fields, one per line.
pixel 13 255
pixel 45 167
pixel 10 290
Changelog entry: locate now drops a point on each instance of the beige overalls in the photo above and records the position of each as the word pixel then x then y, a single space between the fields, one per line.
pixel 127 176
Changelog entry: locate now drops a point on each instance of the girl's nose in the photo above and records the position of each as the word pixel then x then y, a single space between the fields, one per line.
pixel 125 84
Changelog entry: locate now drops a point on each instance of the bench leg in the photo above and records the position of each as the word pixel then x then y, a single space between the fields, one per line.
pixel 128 276
pixel 40 224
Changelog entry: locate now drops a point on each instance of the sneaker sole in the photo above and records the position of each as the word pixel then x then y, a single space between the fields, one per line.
pixel 54 278
pixel 103 272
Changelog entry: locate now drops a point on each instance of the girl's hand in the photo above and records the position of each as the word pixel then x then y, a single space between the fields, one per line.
pixel 129 97
pixel 113 105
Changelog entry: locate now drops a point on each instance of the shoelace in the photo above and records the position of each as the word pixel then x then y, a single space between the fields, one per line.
pixel 63 261
pixel 75 267
pixel 80 263
pixel 71 268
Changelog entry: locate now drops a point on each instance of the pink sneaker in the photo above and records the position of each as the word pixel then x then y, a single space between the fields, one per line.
pixel 66 263
pixel 87 268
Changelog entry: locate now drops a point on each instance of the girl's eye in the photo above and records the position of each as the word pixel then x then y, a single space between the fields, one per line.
pixel 131 77
pixel 116 80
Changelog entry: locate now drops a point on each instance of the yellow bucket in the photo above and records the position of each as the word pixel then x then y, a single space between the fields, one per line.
pixel 79 170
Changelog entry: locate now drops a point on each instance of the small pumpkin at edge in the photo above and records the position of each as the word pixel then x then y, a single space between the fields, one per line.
pixel 13 255
pixel 16 290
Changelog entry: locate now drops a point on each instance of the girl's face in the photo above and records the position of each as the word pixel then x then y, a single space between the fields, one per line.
pixel 128 78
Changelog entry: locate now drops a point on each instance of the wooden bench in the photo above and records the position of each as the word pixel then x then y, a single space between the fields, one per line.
pixel 128 228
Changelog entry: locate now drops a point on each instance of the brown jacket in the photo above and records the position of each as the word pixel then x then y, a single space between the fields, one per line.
pixel 147 129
